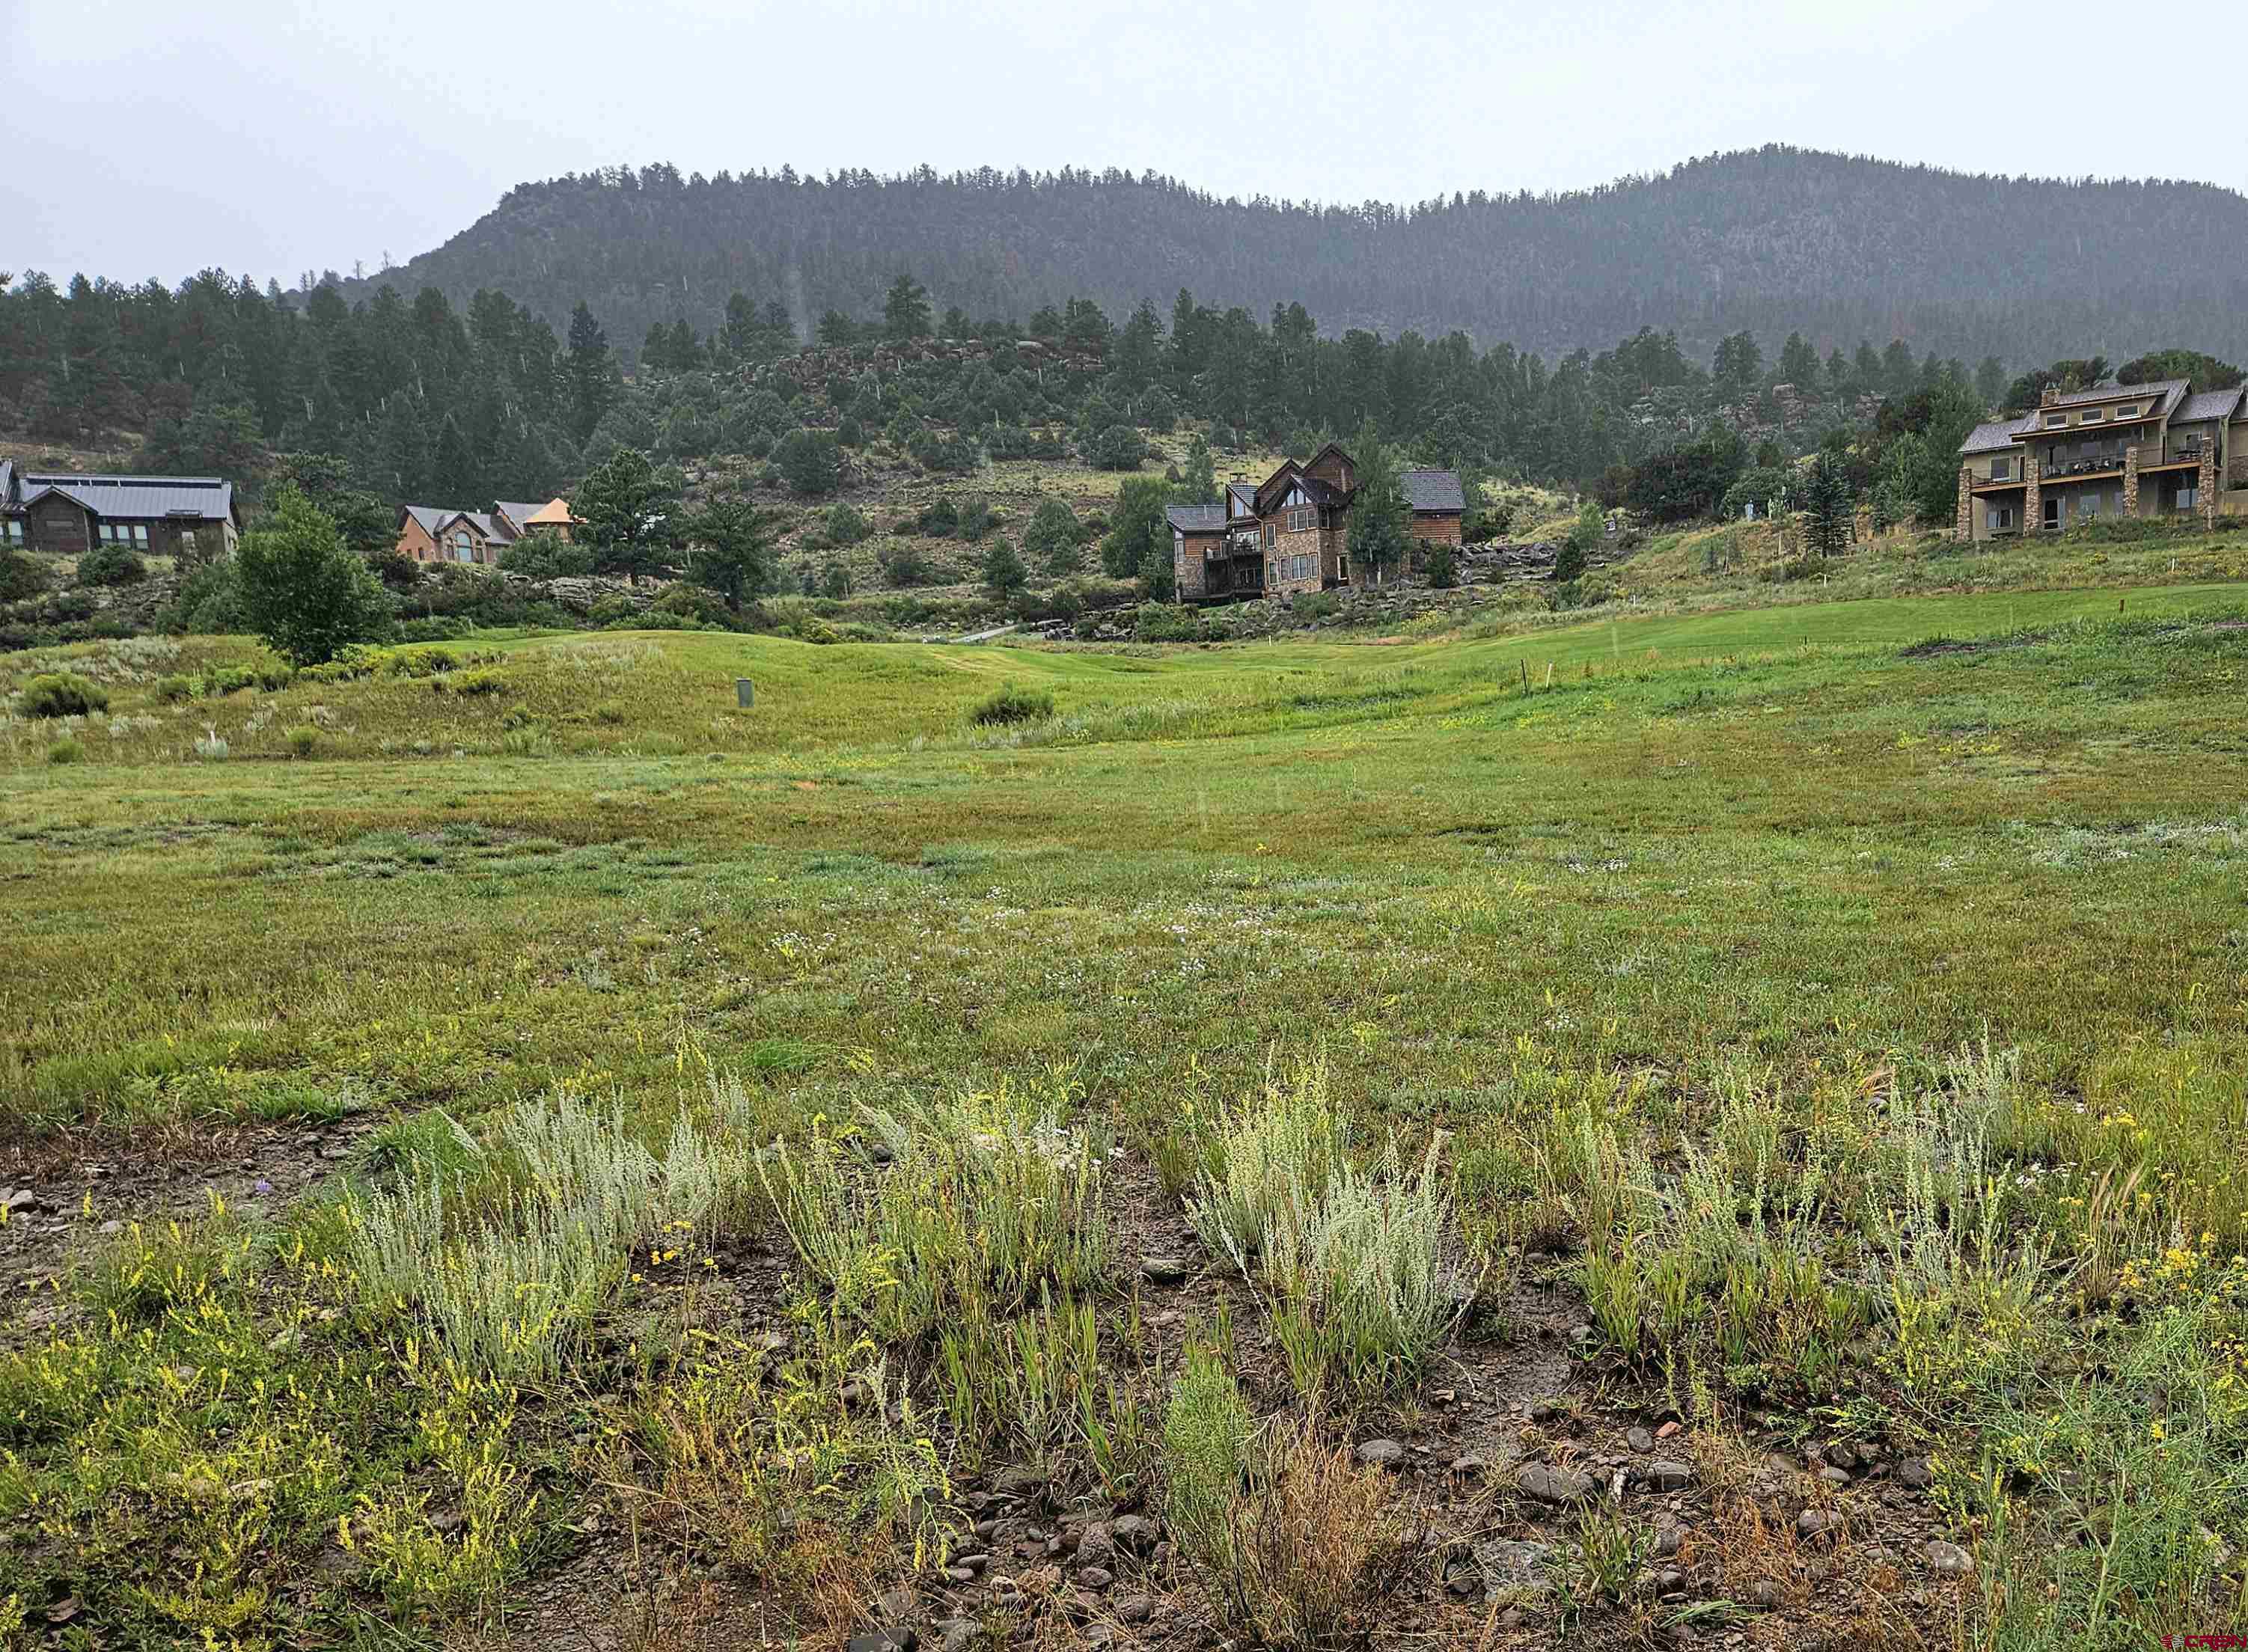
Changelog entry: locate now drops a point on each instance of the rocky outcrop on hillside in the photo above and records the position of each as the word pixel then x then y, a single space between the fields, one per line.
pixel 811 368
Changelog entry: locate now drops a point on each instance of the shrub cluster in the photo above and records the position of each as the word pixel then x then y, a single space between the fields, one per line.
pixel 1008 703
pixel 61 694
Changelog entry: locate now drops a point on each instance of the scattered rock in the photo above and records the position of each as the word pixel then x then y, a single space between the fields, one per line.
pixel 1665 1543
pixel 1511 1565
pixel 1133 1532
pixel 895 1603
pixel 1094 1577
pixel 443 1525
pixel 1843 1454
pixel 1552 1485
pixel 1949 1560
pixel 1473 1465
pixel 1383 1454
pixel 959 1634
pixel 1666 1429
pixel 1020 1482
pixel 1136 1608
pixel 1542 1410
pixel 1817 1522
pixel 1639 1440
pixel 897 1638
pixel 1101 1635
pixel 1162 1270
pixel 1668 1474
pixel 1914 1472
pixel 1510 1619
pixel 1834 1475
pixel 1095 1546
pixel 1765 1592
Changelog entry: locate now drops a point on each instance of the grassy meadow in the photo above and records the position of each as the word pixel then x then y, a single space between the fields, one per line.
pixel 732 1165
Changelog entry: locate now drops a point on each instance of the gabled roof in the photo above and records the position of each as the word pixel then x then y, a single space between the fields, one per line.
pixel 1435 491
pixel 1243 494
pixel 1196 518
pixel 2168 393
pixel 436 518
pixel 138 498
pixel 1998 436
pixel 1336 449
pixel 554 513
pixel 2208 404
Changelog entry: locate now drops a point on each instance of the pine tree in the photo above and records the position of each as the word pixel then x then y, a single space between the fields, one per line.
pixel 591 371
pixel 1003 573
pixel 905 311
pixel 730 550
pixel 1379 515
pixel 631 513
pixel 456 479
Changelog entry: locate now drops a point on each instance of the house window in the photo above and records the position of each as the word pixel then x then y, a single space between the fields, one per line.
pixel 2052 510
pixel 2001 469
pixel 1269 530
pixel 12 529
pixel 2054 421
pixel 2189 495
pixel 464 549
pixel 2000 518
pixel 2126 412
pixel 2092 415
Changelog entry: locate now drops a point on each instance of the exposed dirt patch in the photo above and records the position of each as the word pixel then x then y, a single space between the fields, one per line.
pixel 70 1193
pixel 1749 1539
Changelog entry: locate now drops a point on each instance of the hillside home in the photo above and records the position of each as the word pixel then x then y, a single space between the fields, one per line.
pixel 66 514
pixel 2117 450
pixel 432 533
pixel 1291 533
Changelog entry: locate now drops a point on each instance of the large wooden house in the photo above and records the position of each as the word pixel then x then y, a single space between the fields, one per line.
pixel 68 515
pixel 1291 533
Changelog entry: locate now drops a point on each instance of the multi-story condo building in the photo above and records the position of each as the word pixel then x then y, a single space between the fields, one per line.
pixel 2114 451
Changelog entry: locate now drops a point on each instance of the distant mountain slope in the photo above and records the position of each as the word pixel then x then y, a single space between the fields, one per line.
pixel 1772 240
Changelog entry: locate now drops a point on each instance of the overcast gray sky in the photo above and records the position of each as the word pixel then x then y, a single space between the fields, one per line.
pixel 147 139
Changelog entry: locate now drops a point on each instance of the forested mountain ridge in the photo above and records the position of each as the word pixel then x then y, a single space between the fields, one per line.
pixel 1770 241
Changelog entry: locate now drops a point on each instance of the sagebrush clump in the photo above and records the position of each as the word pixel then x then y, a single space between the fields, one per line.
pixel 61 694
pixel 1010 704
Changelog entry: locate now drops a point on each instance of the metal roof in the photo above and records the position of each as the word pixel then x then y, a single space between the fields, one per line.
pixel 140 498
pixel 1997 435
pixel 1196 518
pixel 2169 390
pixel 1436 491
pixel 2210 404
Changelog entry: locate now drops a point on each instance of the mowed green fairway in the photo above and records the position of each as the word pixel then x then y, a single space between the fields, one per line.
pixel 1814 849
pixel 1793 844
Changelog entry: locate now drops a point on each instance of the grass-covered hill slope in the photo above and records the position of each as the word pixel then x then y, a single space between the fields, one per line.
pixel 1739 1138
